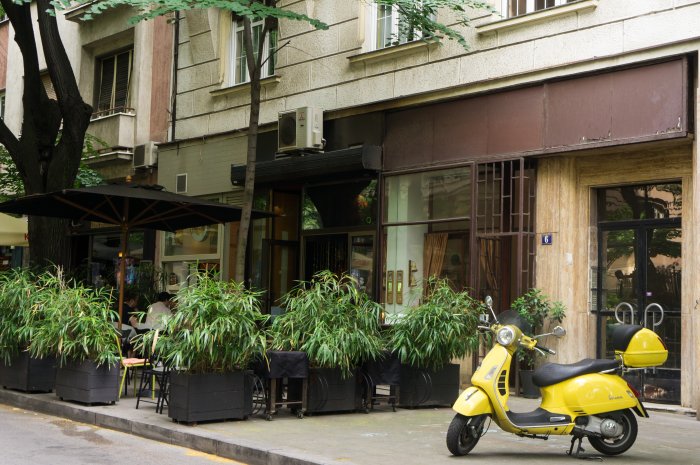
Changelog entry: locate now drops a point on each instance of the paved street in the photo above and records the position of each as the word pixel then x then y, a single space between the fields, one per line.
pixel 406 437
pixel 37 439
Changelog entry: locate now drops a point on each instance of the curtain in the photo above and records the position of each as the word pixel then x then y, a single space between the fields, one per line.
pixel 433 254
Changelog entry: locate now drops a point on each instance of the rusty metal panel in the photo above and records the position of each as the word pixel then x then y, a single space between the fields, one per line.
pixel 515 121
pixel 578 111
pixel 624 106
pixel 460 130
pixel 409 138
pixel 649 100
pixel 619 106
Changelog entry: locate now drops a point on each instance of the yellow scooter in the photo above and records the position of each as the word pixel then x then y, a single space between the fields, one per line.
pixel 588 398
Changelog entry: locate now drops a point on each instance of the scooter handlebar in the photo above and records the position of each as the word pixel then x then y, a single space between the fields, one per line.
pixel 546 349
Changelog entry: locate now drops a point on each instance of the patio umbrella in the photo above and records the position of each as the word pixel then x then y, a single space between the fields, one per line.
pixel 127 206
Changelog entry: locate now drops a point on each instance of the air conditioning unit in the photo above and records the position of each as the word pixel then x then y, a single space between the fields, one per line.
pixel 300 129
pixel 145 155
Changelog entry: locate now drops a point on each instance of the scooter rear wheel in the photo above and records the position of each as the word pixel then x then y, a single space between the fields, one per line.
pixel 620 444
pixel 464 432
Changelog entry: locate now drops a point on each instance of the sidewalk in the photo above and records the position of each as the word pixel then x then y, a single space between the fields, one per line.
pixel 406 437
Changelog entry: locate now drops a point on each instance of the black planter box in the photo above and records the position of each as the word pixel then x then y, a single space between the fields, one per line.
pixel 328 391
pixel 423 387
pixel 87 383
pixel 28 374
pixel 210 396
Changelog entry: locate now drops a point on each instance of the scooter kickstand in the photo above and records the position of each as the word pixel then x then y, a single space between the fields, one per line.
pixel 580 449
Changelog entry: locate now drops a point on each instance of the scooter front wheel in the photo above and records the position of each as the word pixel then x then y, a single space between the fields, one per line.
pixel 623 441
pixel 464 432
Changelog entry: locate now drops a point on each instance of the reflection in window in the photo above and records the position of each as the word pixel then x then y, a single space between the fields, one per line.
pixel 428 195
pixel 340 205
pixel 193 241
pixel 641 202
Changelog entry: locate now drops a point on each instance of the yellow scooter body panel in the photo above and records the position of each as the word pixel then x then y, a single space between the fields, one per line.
pixel 473 401
pixel 589 394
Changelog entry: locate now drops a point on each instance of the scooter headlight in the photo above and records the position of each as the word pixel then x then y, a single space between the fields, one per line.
pixel 505 336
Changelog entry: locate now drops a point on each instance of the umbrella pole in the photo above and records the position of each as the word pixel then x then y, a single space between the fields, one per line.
pixel 122 272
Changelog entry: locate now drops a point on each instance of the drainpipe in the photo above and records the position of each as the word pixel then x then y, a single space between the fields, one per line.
pixel 176 48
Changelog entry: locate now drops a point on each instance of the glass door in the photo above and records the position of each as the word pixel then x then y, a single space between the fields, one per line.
pixel 641 284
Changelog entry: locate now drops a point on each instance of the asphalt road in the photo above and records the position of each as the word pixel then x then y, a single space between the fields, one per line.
pixel 28 438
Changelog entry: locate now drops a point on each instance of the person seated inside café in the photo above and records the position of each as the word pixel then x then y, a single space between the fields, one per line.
pixel 129 309
pixel 158 310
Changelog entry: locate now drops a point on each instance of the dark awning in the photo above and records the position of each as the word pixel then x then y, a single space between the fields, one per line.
pixel 298 168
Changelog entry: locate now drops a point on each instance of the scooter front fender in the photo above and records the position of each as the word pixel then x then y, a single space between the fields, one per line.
pixel 473 401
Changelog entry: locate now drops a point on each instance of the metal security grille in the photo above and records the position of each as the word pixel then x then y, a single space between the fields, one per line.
pixel 504 222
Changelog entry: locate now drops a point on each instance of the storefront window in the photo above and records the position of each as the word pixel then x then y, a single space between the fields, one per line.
pixel 193 241
pixel 433 241
pixel 428 195
pixel 340 205
pixel 188 251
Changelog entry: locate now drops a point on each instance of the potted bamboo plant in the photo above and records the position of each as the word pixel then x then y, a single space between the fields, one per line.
pixel 536 309
pixel 209 342
pixel 428 337
pixel 18 319
pixel 335 323
pixel 76 328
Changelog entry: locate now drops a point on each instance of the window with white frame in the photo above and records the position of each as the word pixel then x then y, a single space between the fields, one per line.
pixel 113 75
pixel 239 67
pixel 391 28
pixel 521 7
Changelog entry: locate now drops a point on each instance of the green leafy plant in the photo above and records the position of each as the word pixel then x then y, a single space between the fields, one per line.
pixel 76 322
pixel 441 328
pixel 536 308
pixel 218 327
pixel 18 315
pixel 331 320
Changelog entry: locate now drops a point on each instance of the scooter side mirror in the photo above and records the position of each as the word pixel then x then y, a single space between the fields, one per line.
pixel 559 331
pixel 488 300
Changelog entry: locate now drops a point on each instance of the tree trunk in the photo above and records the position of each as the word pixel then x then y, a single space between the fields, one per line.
pixel 49 150
pixel 45 252
pixel 254 67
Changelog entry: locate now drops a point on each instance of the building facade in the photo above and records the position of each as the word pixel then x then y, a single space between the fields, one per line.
pixel 557 152
pixel 125 72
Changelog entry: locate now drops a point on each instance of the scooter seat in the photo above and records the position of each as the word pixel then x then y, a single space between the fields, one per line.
pixel 553 373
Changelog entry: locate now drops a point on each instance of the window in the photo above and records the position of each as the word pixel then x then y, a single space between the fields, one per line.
pixel 426 227
pixel 113 75
pixel 390 28
pixel 2 105
pixel 239 67
pixel 521 7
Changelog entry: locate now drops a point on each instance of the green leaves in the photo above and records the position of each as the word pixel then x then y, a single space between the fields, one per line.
pixel 149 9
pixel 441 328
pixel 68 320
pixel 535 307
pixel 331 320
pixel 217 327
pixel 422 16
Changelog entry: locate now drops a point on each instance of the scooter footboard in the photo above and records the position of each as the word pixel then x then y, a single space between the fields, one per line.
pixel 473 401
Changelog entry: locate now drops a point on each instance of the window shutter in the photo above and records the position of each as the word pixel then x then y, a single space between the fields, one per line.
pixel 104 101
pixel 121 85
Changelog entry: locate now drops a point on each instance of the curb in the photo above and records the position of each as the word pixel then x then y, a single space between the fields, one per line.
pixel 253 454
